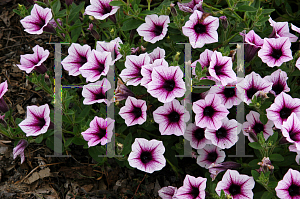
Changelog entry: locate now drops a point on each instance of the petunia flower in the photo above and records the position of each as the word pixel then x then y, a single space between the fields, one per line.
pixel 278 78
pixel 254 123
pixel 237 185
pixel 131 75
pixel 289 186
pixel 284 105
pixel 147 155
pixel 291 130
pixel 122 92
pixel 95 92
pixel 77 57
pixel 201 29
pixel 172 118
pixel 100 9
pixel 254 44
pixel 113 47
pixel 210 154
pixel 155 28
pixel 34 61
pixel 251 85
pixel 100 131
pixel 209 112
pixel 191 6
pixel 167 192
pixel 196 136
pixel 215 169
pixel 37 121
pixel 204 60
pixel 295 28
pixel 19 150
pixel 146 71
pixel 226 136
pixel 134 111
pixel 281 29
pixel 167 83
pixel 3 89
pixel 192 188
pixel 157 53
pixel 97 64
pixel 38 20
pixel 274 52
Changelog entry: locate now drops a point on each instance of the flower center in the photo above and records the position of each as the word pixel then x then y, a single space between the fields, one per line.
pixel 146 157
pixel 258 127
pixel 196 97
pixel 218 70
pixel 106 9
pixel 294 135
pixel 101 68
pixel 99 96
pixel 157 30
pixel 101 133
pixel 285 113
pixel 200 28
pixel 41 122
pixel 174 117
pixel 276 53
pixel 221 133
pixel 277 88
pixel 199 133
pixel 212 157
pixel 229 92
pixel 169 85
pixel 137 112
pixel 208 111
pixel 83 60
pixel 293 190
pixel 195 192
pixel 251 92
pixel 234 189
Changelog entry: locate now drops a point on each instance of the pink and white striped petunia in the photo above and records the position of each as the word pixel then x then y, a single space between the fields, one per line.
pixel 95 92
pixel 3 89
pixel 191 6
pixel 254 44
pixel 167 83
pixel 193 188
pixel 37 121
pixel 34 61
pixel 100 9
pixel 157 53
pixel 278 78
pixel 237 185
pixel 155 28
pixel 254 123
pixel 167 192
pixel 100 131
pixel 274 52
pixel 131 75
pixel 112 47
pixel 201 29
pixel 147 155
pixel 281 29
pixel 97 64
pixel 289 186
pixel 226 136
pixel 19 150
pixel 196 136
pixel 210 154
pixel 204 60
pixel 291 130
pixel 172 118
pixel 38 20
pixel 77 57
pixel 284 105
pixel 134 111
pixel 209 112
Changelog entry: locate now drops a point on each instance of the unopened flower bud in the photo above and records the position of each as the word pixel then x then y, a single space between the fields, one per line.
pixel 265 165
pixel 177 56
pixel 224 21
pixel 143 49
pixel 93 32
pixel 69 2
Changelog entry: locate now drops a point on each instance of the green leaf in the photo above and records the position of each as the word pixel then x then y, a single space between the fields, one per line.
pixel 247 8
pixel 127 144
pixel 273 138
pixel 56 6
pixel 255 145
pixel 79 141
pixel 277 2
pixel 253 163
pixel 75 34
pixel 267 195
pixel 83 114
pixel 206 82
pixel 117 3
pixel 131 24
pixel 17 12
pixel 267 11
pixel 39 139
pixel 50 144
pixel 75 10
pixel 95 151
pixel 276 157
pixel 296 73
pixel 41 3
pixel 149 12
pixel 121 129
pixel 263 118
pixel 272 184
pixel 61 14
pixel 68 142
pixel 255 174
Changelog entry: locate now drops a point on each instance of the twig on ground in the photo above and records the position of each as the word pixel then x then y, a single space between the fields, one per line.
pixel 139 186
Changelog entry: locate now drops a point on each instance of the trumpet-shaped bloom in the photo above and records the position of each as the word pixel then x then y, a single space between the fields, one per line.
pixel 38 20
pixel 210 154
pixel 276 51
pixel 254 123
pixel 95 92
pixel 147 155
pixel 134 111
pixel 278 79
pixel 122 92
pixel 201 29
pixel 251 85
pixel 226 136
pixel 254 44
pixel 193 188
pixel 289 186
pixel 19 150
pixel 34 61
pixel 112 47
pixel 155 28
pixel 204 60
pixel 284 105
pixel 237 185
pixel 172 118
pixel 196 136
pixel 220 68
pixel 167 192
pixel 281 29
pixel 77 57
pixel 37 121
pixel 100 131
pixel 291 130
pixel 167 83
pixel 3 89
pixel 131 75
pixel 97 64
pixel 157 53
pixel 215 169
pixel 100 9
pixel 209 112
